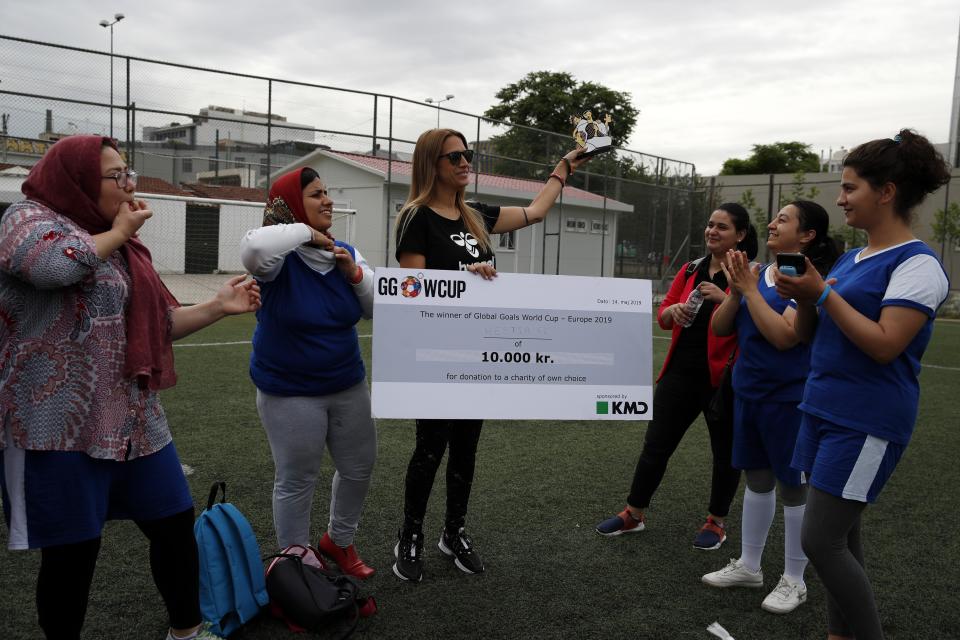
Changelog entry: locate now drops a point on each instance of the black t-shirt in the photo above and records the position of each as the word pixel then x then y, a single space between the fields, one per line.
pixel 445 243
pixel 691 349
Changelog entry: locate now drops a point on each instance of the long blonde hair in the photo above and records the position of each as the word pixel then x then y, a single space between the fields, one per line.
pixel 423 185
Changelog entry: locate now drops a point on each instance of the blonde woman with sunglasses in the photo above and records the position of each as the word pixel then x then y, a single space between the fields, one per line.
pixel 437 229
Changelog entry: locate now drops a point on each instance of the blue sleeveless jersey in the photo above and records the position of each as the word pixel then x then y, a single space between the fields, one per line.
pixel 305 343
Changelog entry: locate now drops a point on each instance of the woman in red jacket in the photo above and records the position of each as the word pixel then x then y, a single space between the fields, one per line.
pixel 690 376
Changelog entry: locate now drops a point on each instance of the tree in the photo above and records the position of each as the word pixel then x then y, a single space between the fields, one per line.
pixel 779 157
pixel 946 228
pixel 546 100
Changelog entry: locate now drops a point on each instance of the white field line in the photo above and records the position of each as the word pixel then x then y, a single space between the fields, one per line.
pixel 368 335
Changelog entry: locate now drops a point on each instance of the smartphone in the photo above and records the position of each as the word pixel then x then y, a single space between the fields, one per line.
pixel 791 264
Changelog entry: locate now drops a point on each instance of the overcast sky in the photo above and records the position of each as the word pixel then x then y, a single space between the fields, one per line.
pixel 710 78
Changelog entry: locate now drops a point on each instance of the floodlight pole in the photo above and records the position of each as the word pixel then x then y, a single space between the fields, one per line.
pixel 117 17
pixel 437 102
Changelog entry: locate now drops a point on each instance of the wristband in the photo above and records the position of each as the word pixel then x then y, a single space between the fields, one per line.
pixel 568 165
pixel 358 276
pixel 823 296
pixel 563 182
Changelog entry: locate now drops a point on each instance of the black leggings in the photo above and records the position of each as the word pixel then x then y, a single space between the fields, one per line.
pixel 831 540
pixel 680 396
pixel 433 436
pixel 66 572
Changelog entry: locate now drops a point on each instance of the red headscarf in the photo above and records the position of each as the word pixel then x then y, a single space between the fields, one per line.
pixel 285 204
pixel 67 179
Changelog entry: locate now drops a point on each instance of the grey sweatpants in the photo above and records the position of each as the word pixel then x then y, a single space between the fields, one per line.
pixel 298 428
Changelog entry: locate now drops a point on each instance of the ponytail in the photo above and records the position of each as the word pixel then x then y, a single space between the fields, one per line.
pixel 908 161
pixel 822 251
pixel 741 222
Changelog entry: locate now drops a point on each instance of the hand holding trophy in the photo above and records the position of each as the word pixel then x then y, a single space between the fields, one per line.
pixel 592 136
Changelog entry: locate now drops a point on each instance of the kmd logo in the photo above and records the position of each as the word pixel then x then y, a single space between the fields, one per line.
pixel 413 286
pixel 621 408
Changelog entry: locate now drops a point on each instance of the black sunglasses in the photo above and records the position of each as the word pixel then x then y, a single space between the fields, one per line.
pixel 454 156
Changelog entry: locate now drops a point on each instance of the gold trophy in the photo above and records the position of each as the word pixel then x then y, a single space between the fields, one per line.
pixel 592 136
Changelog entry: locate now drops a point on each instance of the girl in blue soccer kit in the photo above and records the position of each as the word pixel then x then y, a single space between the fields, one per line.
pixel 868 325
pixel 768 382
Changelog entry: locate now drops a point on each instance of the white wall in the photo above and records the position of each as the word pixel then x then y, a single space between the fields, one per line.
pixel 164 234
pixel 235 221
pixel 10 189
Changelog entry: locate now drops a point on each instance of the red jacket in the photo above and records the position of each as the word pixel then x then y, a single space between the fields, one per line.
pixel 718 348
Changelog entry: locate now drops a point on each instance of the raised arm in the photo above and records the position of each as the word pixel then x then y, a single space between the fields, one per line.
pixel 725 315
pixel 43 249
pixel 744 278
pixel 512 218
pixel 262 250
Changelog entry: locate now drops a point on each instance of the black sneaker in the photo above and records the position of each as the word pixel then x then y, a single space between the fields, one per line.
pixel 460 547
pixel 409 554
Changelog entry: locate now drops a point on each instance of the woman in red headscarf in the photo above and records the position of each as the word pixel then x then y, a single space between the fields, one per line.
pixel 311 383
pixel 85 335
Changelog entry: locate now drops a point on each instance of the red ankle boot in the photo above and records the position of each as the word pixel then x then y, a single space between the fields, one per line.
pixel 345 557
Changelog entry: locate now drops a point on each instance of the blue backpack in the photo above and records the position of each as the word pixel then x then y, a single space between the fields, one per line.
pixel 232 588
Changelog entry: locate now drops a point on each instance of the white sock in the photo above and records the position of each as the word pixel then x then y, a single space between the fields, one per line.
pixel 758 512
pixel 794 559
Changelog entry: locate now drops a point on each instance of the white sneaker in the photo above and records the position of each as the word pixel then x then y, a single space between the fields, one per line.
pixel 788 595
pixel 734 575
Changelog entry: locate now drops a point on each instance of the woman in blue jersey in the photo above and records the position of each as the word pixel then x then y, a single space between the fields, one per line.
pixel 768 384
pixel 311 383
pixel 868 324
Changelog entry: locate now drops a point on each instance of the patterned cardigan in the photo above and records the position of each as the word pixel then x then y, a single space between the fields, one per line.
pixel 63 344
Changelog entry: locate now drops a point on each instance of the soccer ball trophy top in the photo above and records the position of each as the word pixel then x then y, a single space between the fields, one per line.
pixel 592 136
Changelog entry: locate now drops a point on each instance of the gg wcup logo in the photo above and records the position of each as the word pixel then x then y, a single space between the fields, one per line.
pixel 413 286
pixel 410 287
pixel 622 408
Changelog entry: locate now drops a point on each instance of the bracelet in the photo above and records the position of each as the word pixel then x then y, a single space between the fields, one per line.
pixel 823 296
pixel 526 220
pixel 568 165
pixel 358 277
pixel 563 182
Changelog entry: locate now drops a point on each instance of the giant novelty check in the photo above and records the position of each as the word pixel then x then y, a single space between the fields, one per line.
pixel 449 344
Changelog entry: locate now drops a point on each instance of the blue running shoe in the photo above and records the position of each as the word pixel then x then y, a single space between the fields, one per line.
pixel 712 534
pixel 623 522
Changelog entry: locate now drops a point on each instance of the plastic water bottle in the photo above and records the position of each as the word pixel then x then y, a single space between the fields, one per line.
pixel 692 305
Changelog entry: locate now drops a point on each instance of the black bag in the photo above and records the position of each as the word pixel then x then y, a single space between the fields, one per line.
pixel 315 598
pixel 721 403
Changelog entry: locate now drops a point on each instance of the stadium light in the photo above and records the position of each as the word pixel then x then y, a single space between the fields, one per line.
pixel 117 17
pixel 437 102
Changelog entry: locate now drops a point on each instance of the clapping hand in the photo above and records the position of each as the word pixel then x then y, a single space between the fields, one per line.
pixel 741 275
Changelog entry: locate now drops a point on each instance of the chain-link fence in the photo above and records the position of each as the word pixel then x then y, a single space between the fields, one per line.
pixel 187 126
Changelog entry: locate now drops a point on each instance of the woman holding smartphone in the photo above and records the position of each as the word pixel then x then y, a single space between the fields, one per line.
pixel 868 325
pixel 690 376
pixel 437 229
pixel 768 381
